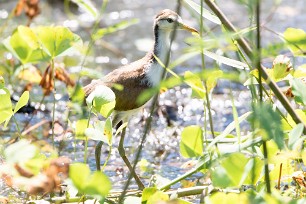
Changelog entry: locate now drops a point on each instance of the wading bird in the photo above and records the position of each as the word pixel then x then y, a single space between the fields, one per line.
pixel 140 75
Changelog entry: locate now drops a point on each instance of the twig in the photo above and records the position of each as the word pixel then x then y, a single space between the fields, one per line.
pixel 279 175
pixel 33 127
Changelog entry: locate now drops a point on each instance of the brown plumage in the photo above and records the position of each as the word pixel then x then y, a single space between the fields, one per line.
pixel 132 77
pixel 144 73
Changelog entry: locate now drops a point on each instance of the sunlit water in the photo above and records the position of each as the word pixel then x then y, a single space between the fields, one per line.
pixel 161 149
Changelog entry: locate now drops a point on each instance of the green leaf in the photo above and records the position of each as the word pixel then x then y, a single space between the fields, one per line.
pixel 228 198
pixel 212 79
pixel 295 135
pixel 296 39
pixel 56 40
pixel 80 127
pixel 184 57
pixel 79 179
pixel 220 178
pixel 158 196
pixel 281 67
pixel 114 28
pixel 237 170
pixel 191 144
pixel 228 129
pixel 101 131
pixel 225 60
pixel 298 90
pixel 24 44
pixel 5 105
pixel 108 131
pixel 97 184
pixel 91 184
pixel 300 72
pixel 195 82
pixel 2 82
pixel 103 100
pixel 269 123
pixel 96 132
pixel 77 94
pixel 205 13
pixel 147 193
pixel 23 100
pixel 87 6
pixel 20 151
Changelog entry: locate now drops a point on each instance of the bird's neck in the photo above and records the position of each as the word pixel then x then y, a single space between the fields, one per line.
pixel 161 44
pixel 161 51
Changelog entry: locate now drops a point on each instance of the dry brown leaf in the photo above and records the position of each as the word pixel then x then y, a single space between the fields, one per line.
pixel 19 7
pixel 47 181
pixel 47 82
pixel 23 172
pixel 30 7
pixel 4 200
pixel 62 75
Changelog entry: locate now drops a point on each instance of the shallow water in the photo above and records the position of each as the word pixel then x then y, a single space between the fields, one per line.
pixel 161 149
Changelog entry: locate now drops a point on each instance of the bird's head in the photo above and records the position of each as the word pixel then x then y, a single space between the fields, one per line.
pixel 168 20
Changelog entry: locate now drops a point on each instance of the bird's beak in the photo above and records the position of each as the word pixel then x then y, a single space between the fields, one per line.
pixel 187 27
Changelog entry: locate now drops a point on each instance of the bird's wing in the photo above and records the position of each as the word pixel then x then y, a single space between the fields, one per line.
pixel 133 80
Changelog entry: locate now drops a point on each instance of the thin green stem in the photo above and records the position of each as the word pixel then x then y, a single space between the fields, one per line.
pixel 54 101
pixel 86 138
pixel 108 156
pixel 17 126
pixel 207 107
pixel 258 64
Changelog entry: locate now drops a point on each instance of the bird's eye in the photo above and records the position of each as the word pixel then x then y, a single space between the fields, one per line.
pixel 170 20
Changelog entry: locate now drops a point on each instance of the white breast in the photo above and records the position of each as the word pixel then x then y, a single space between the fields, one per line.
pixel 155 70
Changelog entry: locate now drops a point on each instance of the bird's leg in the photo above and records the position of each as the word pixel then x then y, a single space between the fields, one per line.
pixel 126 160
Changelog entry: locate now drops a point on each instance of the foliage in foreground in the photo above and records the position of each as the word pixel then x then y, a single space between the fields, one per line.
pixel 235 174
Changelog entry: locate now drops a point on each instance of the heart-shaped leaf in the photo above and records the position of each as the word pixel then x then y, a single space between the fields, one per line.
pixel 103 100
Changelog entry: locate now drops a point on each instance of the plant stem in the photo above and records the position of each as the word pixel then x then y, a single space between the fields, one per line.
pixel 86 138
pixel 205 84
pixel 258 64
pixel 54 93
pixel 17 126
pixel 108 156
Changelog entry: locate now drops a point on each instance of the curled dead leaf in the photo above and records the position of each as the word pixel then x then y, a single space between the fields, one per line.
pixel 23 172
pixel 30 7
pixel 62 75
pixel 47 82
pixel 4 200
pixel 49 180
